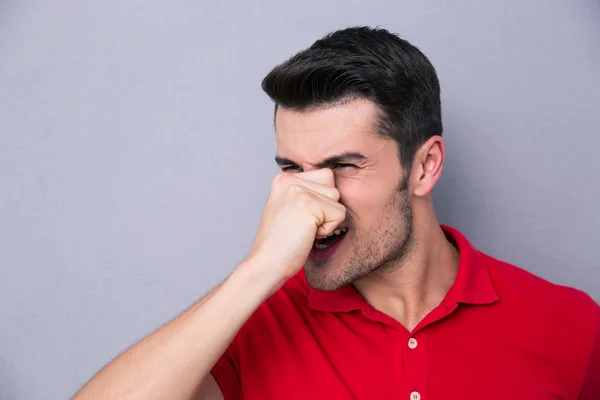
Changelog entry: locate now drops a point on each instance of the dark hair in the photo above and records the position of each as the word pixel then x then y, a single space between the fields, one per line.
pixel 370 63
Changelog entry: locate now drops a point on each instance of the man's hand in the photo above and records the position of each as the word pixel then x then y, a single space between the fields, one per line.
pixel 300 208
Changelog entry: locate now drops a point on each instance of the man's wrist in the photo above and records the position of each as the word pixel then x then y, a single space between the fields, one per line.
pixel 258 276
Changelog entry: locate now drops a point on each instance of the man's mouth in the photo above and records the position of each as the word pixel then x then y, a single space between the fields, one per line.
pixel 335 236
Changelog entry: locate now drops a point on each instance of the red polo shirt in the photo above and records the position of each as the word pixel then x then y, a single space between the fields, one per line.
pixel 500 333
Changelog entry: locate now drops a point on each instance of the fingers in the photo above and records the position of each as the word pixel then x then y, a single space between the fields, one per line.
pixel 329 214
pixel 308 180
pixel 327 191
pixel 315 191
pixel 323 176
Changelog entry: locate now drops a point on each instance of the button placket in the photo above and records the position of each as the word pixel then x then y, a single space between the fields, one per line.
pixel 416 365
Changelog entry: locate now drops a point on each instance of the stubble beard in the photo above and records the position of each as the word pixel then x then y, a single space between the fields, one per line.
pixel 382 250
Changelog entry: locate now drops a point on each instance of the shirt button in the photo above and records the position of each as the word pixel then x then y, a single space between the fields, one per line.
pixel 412 343
pixel 415 396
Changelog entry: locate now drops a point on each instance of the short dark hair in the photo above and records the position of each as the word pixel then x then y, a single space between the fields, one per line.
pixel 369 63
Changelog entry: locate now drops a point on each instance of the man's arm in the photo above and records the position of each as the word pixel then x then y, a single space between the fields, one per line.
pixel 175 361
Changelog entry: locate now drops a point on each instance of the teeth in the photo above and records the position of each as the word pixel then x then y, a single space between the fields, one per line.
pixel 337 232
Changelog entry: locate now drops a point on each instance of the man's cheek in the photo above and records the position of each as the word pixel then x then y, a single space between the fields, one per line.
pixel 350 189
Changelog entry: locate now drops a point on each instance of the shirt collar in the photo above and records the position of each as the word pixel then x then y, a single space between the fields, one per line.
pixel 473 284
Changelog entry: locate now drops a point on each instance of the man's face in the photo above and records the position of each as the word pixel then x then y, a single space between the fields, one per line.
pixel 371 183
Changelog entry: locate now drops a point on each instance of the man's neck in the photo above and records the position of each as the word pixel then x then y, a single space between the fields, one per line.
pixel 409 291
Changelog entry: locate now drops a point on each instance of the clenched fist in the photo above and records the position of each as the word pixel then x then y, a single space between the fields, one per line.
pixel 300 208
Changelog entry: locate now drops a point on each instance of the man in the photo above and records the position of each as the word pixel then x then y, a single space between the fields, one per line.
pixel 352 289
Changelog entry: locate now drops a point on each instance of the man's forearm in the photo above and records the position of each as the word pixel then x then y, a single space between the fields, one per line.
pixel 172 362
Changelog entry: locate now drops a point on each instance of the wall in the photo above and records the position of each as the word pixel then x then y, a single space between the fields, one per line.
pixel 136 153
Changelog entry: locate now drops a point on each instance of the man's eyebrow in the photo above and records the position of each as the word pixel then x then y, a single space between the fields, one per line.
pixel 342 158
pixel 329 162
pixel 281 161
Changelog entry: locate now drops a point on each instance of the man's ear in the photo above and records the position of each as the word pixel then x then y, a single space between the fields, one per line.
pixel 427 166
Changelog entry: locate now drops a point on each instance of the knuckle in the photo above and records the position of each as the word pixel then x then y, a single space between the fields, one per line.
pixel 282 182
pixel 296 190
pixel 303 197
pixel 281 179
pixel 324 175
pixel 328 172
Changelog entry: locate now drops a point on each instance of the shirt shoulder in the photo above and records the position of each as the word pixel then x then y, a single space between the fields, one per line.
pixel 562 323
pixel 514 283
pixel 554 311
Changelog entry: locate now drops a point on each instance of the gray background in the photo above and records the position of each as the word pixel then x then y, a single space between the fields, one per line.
pixel 136 153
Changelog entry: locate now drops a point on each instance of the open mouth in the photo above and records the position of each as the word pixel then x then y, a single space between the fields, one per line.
pixel 335 236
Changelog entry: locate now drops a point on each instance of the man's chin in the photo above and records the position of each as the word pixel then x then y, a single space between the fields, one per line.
pixel 324 276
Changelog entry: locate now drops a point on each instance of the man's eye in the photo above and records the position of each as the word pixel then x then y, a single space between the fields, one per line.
pixel 290 168
pixel 344 166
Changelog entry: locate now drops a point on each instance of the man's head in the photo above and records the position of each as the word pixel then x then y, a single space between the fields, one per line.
pixel 366 104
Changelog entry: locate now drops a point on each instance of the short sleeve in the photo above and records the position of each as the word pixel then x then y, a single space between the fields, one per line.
pixel 227 370
pixel 591 385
